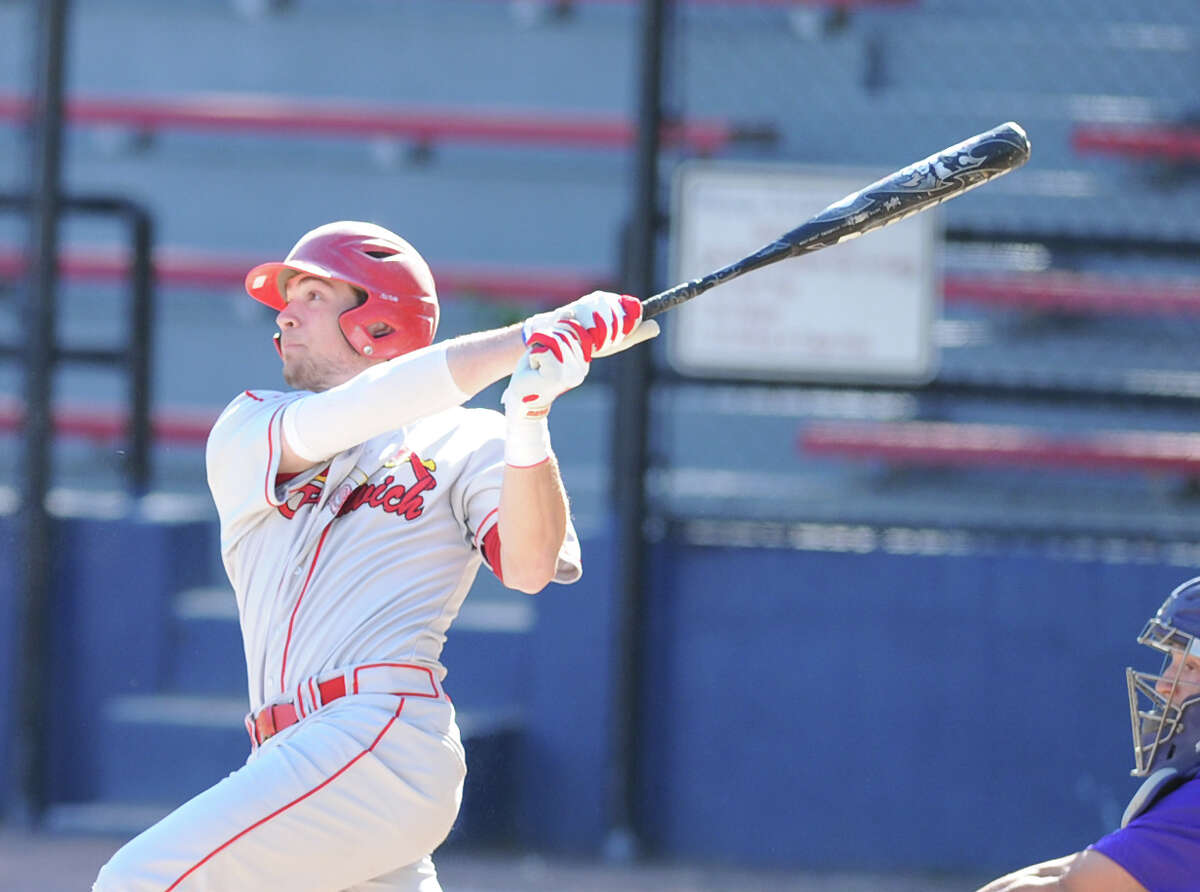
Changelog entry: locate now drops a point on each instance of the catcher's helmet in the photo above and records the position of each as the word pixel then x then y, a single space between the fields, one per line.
pixel 1166 730
pixel 397 281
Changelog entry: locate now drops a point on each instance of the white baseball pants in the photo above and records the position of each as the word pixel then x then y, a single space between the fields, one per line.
pixel 354 797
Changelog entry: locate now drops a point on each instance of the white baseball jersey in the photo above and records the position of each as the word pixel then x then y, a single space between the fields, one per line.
pixel 364 557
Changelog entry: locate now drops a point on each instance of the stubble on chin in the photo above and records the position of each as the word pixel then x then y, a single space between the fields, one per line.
pixel 303 375
pixel 315 374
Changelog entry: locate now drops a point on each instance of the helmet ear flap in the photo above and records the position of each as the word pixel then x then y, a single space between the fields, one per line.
pixel 408 324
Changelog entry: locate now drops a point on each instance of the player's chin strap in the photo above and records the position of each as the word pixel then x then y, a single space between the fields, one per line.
pixel 1157 785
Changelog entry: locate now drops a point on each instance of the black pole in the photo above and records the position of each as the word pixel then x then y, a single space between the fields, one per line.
pixel 630 415
pixel 136 356
pixel 141 280
pixel 33 564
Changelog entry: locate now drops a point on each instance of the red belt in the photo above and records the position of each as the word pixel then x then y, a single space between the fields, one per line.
pixel 270 720
pixel 398 679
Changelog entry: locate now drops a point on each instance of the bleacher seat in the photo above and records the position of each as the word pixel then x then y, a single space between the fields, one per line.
pixel 1153 141
pixel 955 444
pixel 1070 292
pixel 423 127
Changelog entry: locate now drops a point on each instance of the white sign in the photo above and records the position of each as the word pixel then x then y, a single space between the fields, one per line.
pixel 861 311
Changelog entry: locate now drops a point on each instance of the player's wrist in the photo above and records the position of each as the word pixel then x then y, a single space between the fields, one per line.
pixel 538 322
pixel 527 441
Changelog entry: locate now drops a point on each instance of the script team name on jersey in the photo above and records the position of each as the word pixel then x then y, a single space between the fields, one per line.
pixel 403 500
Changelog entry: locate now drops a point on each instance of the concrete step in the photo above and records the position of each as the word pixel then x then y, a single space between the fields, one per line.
pixel 206 649
pixel 104 817
pixel 168 747
pixel 160 756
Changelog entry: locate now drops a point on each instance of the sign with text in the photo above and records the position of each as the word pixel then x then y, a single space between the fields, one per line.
pixel 862 311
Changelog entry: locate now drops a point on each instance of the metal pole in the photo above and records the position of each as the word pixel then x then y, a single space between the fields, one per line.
pixel 141 279
pixel 632 383
pixel 35 532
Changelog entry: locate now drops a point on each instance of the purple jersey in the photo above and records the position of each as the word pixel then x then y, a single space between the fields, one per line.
pixel 1160 848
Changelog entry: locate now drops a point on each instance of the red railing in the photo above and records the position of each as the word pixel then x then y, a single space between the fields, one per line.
pixel 189 269
pixel 1075 292
pixel 1053 290
pixel 912 442
pixel 835 4
pixel 1166 142
pixel 175 426
pixel 936 443
pixel 422 126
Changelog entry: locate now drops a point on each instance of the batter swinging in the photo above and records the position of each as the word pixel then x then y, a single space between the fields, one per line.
pixel 355 511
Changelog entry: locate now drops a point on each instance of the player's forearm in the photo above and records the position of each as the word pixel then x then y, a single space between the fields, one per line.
pixel 477 360
pixel 533 523
pixel 398 392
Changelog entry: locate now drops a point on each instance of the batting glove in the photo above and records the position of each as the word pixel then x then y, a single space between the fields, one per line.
pixel 555 360
pixel 612 321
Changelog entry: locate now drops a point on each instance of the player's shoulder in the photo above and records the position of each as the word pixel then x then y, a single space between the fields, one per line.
pixel 247 405
pixel 252 398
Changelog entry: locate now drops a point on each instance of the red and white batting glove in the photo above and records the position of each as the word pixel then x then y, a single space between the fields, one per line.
pixel 556 359
pixel 613 321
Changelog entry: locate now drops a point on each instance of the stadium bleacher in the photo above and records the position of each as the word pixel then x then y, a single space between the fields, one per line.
pixel 527 219
pixel 262 130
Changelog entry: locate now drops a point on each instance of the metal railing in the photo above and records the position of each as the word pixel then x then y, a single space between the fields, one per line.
pixel 135 354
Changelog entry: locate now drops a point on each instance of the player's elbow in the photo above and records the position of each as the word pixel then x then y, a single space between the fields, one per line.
pixel 530 575
pixel 528 582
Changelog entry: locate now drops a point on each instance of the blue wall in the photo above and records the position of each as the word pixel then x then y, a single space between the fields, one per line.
pixel 801 707
pixel 110 599
pixel 889 710
pixel 886 710
pixel 8 640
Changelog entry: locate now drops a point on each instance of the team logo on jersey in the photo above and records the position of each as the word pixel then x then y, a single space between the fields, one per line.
pixel 394 456
pixel 305 495
pixel 389 494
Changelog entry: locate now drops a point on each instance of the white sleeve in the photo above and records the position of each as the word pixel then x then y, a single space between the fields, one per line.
pixel 242 455
pixel 381 398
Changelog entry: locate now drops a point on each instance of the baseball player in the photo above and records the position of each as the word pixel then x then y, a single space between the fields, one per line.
pixel 355 511
pixel 1157 847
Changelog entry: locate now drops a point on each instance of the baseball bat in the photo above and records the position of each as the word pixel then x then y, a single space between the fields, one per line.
pixel 941 176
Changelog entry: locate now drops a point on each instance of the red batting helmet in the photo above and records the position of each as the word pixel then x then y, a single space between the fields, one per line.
pixel 398 283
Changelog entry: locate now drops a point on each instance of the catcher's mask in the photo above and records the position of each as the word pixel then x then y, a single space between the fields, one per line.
pixel 400 313
pixel 1164 710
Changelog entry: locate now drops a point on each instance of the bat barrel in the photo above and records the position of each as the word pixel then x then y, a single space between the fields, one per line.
pixel 921 185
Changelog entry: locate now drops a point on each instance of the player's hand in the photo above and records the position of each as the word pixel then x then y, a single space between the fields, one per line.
pixel 556 359
pixel 612 321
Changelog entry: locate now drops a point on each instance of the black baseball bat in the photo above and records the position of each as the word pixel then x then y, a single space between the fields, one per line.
pixel 912 189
